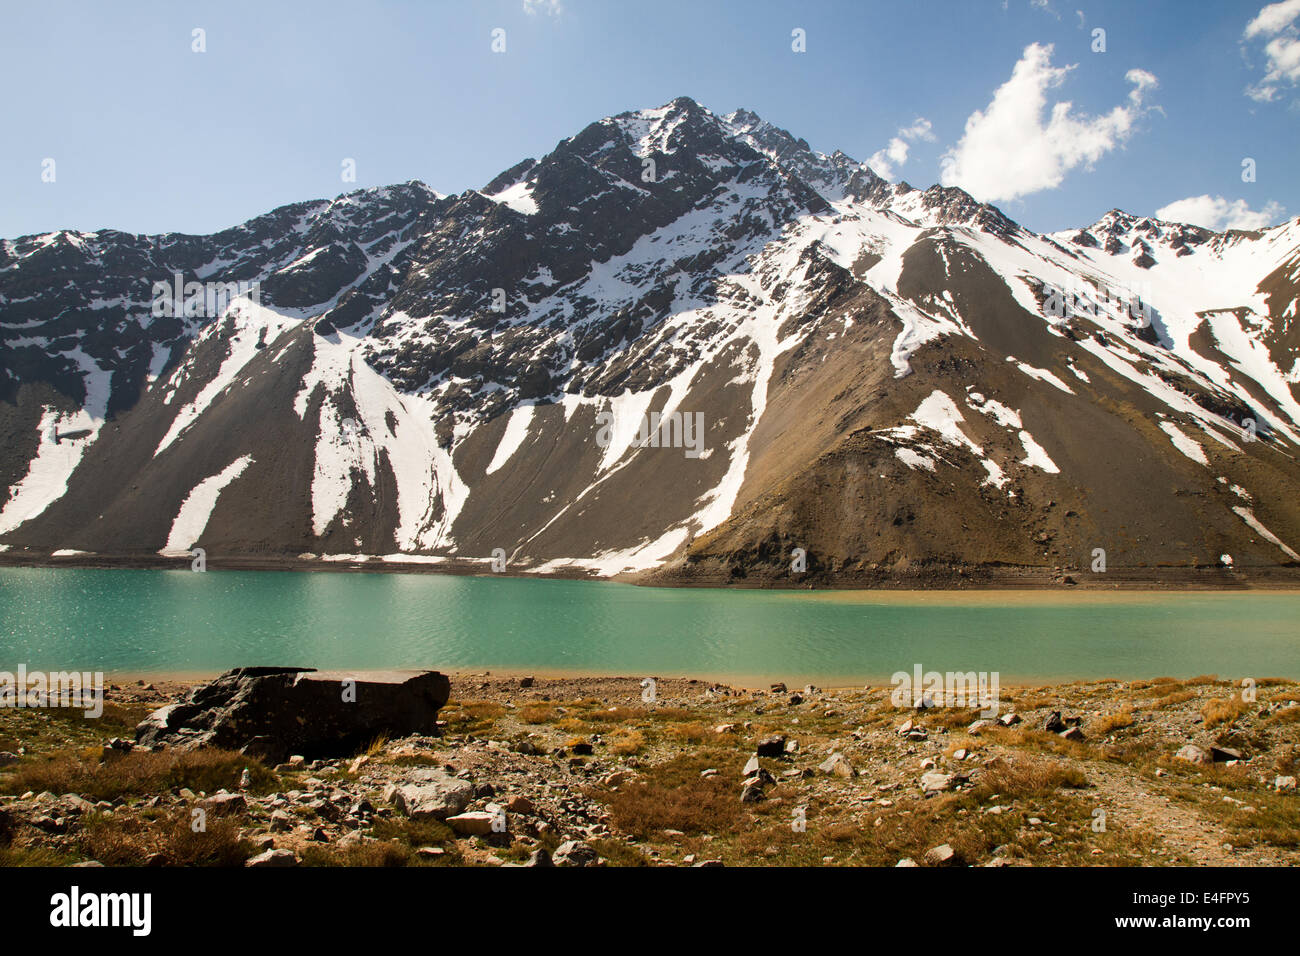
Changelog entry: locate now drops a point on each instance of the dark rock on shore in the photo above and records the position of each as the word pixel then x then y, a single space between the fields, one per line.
pixel 272 712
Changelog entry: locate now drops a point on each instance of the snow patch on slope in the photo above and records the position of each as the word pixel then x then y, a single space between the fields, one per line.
pixel 196 509
pixel 513 436
pixel 349 443
pixel 1184 443
pixel 252 324
pixel 1248 516
pixel 57 456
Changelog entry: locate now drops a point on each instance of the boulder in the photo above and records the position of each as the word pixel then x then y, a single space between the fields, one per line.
pixel 1054 724
pixel 1224 754
pixel 272 712
pixel 771 746
pixel 435 794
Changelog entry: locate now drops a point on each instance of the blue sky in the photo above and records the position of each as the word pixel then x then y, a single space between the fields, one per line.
pixel 149 136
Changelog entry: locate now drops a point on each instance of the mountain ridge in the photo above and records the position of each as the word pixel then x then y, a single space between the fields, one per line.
pixel 429 375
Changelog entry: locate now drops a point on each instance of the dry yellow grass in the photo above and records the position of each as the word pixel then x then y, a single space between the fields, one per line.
pixel 536 713
pixel 1116 721
pixel 1024 776
pixel 138 773
pixel 691 733
pixel 1223 710
pixel 1173 700
pixel 625 743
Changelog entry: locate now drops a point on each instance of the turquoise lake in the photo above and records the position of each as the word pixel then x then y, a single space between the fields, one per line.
pixel 153 621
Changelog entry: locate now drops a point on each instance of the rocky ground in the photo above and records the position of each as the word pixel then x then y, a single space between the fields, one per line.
pixel 586 772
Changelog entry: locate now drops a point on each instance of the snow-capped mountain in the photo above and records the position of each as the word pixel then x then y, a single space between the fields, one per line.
pixel 681 343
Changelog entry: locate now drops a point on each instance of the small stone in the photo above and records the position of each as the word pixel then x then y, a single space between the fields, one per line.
pixel 905 861
pixel 1072 733
pixel 222 803
pixel 1193 754
pixel 942 855
pixel 520 804
pixel 1284 783
pixel 838 765
pixel 274 858
pixel 574 853
pixel 936 782
pixel 474 823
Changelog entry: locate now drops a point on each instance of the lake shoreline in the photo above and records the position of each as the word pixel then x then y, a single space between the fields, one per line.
pixel 1282 577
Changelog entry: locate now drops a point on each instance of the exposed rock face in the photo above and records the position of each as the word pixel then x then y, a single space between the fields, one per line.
pixel 275 712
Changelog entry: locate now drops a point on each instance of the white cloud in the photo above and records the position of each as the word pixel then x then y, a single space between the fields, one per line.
pixel 534 7
pixel 1007 151
pixel 1277 22
pixel 885 162
pixel 1217 213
